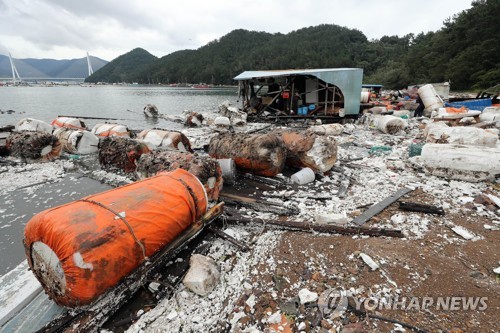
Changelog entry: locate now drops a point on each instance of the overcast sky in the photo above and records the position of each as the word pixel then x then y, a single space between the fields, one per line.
pixel 67 29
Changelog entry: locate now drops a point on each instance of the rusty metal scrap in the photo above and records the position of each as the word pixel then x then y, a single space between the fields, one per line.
pixel 36 146
pixel 206 169
pixel 260 154
pixel 120 153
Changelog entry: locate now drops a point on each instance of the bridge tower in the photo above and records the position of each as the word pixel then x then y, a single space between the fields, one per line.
pixel 15 74
pixel 91 71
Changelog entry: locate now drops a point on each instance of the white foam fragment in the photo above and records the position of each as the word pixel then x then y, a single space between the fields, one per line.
pixel 369 261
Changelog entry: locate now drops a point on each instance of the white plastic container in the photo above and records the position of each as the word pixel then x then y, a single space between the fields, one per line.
pixel 365 96
pixel 34 125
pixel 430 98
pixel 228 168
pixel 304 176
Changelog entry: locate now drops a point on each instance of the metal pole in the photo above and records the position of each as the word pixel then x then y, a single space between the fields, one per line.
pixel 326 98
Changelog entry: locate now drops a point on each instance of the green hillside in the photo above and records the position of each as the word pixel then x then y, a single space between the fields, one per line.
pixel 124 68
pixel 465 51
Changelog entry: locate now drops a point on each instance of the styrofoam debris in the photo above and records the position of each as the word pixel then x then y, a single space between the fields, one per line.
pixel 369 261
pixel 307 296
pixel 466 234
pixel 202 276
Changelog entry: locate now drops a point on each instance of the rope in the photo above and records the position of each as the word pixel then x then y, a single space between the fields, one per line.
pixel 190 190
pixel 124 221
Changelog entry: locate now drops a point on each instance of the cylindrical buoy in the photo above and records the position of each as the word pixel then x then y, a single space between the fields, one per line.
pixel 205 168
pixel 260 154
pixel 81 249
pixel 36 146
pixel 155 138
pixel 30 124
pixel 107 130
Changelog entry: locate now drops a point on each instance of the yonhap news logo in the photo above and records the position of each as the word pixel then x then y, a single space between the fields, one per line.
pixel 336 302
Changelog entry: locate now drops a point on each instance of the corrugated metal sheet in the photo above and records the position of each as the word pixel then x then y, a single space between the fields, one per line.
pixel 347 79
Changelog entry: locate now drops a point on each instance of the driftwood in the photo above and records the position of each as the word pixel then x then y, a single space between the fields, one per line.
pixel 258 205
pixel 375 209
pixel 328 228
pixel 416 207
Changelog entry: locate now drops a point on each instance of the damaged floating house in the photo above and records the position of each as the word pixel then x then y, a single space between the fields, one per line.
pixel 330 94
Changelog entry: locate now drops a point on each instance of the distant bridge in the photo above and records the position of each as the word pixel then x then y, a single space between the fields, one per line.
pixel 31 79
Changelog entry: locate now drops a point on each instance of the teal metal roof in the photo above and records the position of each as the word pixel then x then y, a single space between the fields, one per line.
pixel 347 79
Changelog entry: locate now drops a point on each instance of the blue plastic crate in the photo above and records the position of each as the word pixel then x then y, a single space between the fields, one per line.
pixel 473 104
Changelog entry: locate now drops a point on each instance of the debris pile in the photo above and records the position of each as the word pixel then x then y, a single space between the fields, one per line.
pixel 206 169
pixel 194 119
pixel 117 153
pixel 34 146
pixel 235 116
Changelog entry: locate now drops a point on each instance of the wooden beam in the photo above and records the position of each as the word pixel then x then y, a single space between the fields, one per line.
pixel 319 227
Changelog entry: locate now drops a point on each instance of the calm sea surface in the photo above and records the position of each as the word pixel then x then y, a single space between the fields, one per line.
pixel 46 103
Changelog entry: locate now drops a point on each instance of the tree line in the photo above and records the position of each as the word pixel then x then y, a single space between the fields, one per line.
pixel 465 51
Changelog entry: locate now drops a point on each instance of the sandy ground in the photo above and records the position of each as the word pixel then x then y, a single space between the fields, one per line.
pixel 286 281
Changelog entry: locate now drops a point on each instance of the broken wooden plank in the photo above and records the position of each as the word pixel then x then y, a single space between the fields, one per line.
pixel 220 233
pixel 377 208
pixel 344 186
pixel 416 207
pixel 265 180
pixel 327 228
pixel 258 205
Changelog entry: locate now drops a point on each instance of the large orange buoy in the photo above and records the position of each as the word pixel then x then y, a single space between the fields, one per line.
pixel 80 249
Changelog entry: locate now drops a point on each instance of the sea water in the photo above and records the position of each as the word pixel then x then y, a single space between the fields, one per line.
pixel 125 103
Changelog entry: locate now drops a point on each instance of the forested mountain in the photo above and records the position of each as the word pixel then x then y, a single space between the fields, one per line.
pixel 123 68
pixel 50 68
pixel 466 51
